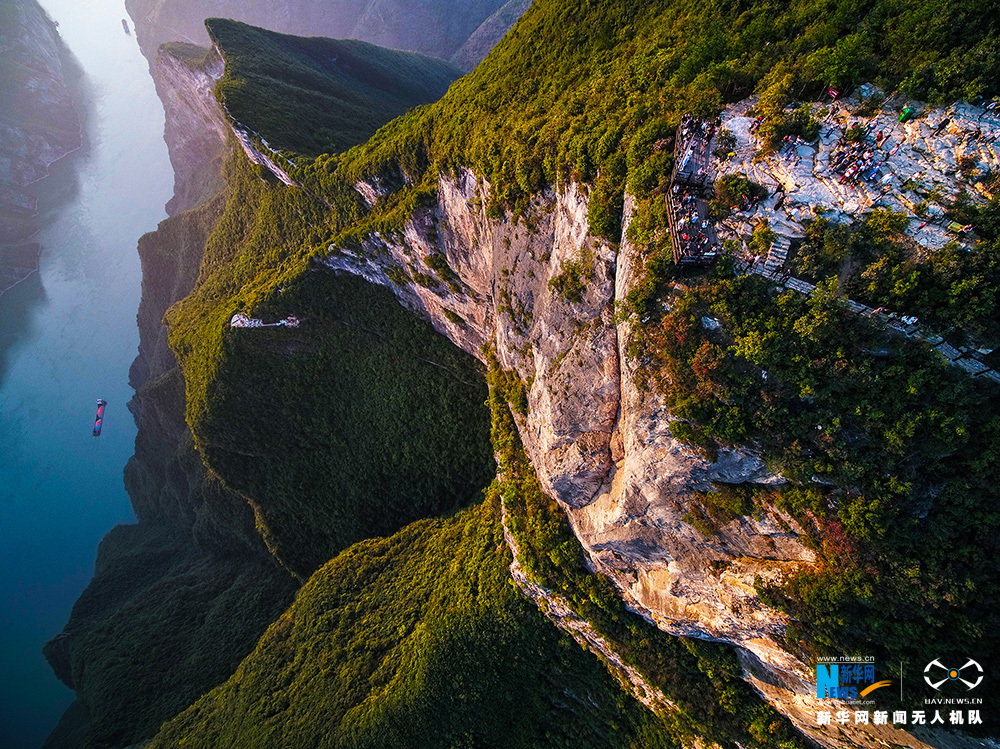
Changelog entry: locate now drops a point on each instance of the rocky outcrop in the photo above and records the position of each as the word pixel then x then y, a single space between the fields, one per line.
pixel 563 350
pixel 918 171
pixel 195 129
pixel 39 124
pixel 559 611
pixel 636 533
pixel 258 154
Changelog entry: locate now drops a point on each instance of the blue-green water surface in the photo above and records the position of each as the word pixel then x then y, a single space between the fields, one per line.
pixel 67 337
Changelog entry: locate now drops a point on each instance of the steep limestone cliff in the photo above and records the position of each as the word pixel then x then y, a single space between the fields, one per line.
pixel 39 124
pixel 636 532
pixel 599 440
pixel 567 353
pixel 195 129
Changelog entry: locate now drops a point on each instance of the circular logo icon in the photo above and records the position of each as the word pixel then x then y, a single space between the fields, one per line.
pixel 936 674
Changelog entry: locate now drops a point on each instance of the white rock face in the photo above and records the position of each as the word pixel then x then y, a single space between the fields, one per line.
pixel 196 130
pixel 565 351
pixel 258 153
pixel 636 534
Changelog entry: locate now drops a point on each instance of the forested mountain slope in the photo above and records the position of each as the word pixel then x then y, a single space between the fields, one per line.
pixel 320 95
pixel 582 92
pixel 523 215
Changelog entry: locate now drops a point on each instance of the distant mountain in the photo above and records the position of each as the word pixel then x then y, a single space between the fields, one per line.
pixel 490 31
pixel 437 27
pixel 39 124
pixel 316 95
pixel 434 27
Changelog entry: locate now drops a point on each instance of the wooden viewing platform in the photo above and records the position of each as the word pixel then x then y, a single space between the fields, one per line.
pixel 690 172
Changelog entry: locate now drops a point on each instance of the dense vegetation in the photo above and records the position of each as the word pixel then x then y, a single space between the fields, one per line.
pixel 191 55
pixel 588 89
pixel 180 599
pixel 734 190
pixel 418 640
pixel 356 423
pixel 953 291
pixel 158 600
pixel 892 451
pixel 359 422
pixel 314 95
pixel 262 240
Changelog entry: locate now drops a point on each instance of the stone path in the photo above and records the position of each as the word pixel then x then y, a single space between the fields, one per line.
pixel 964 357
pixel 776 257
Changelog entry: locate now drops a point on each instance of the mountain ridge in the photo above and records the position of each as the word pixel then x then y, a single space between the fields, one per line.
pixel 318 95
pixel 395 24
pixel 559 281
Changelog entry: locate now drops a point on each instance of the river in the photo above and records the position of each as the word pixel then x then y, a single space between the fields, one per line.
pixel 67 338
